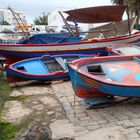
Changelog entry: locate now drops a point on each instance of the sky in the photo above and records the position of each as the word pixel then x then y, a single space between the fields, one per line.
pixel 34 8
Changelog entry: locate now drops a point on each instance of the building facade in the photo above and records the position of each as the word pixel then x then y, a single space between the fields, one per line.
pixel 6 15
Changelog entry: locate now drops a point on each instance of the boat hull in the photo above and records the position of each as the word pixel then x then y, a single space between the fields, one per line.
pixel 83 87
pixel 62 75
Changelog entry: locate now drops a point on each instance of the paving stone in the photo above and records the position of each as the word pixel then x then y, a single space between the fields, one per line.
pixel 15 112
pixel 79 115
pixel 138 132
pixel 79 128
pixel 103 134
pixel 136 121
pixel 50 112
pixel 92 123
pixel 126 123
pixel 85 123
pixel 137 128
pixel 103 121
pixel 16 93
pixel 132 135
pixel 134 138
pixel 84 118
pixel 112 124
pixel 130 130
pixel 93 127
pixel 94 115
pixel 61 128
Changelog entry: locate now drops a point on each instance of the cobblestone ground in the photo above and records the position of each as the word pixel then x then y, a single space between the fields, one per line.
pixel 125 116
pixel 46 104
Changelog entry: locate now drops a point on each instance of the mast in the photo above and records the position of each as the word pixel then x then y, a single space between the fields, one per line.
pixel 17 18
pixel 127 11
pixel 70 30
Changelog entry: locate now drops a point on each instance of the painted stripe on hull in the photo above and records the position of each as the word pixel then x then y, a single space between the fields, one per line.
pixel 37 77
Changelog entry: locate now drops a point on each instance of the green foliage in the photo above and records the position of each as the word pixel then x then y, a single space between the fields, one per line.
pixel 5 91
pixel 6 23
pixel 7 130
pixel 18 98
pixel 133 5
pixel 41 20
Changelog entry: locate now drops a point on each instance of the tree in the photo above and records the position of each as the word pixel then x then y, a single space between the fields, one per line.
pixel 133 6
pixel 5 23
pixel 41 20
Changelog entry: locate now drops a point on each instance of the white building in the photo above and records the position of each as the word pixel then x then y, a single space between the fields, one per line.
pixel 6 15
pixel 55 19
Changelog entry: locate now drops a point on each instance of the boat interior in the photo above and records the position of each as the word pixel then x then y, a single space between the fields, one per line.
pixel 118 71
pixel 127 50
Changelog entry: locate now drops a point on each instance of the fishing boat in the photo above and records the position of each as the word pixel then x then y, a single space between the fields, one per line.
pixel 14 52
pixel 100 76
pixel 124 49
pixel 45 68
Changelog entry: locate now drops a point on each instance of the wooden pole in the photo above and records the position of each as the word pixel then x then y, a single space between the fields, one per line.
pixel 15 14
pixel 128 20
pixel 70 30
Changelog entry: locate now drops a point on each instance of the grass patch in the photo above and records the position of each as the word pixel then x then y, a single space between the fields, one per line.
pixel 5 91
pixel 18 98
pixel 7 130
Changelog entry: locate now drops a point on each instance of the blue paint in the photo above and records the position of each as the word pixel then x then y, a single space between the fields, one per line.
pixel 125 91
pixel 137 77
pixel 118 74
pixel 33 67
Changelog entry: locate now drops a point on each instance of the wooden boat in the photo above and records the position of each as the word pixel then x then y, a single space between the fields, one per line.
pixel 45 68
pixel 100 76
pixel 124 49
pixel 14 52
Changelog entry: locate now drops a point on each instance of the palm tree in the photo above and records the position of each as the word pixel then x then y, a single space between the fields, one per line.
pixel 133 6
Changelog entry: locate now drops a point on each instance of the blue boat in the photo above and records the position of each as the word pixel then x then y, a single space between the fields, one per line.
pixel 45 68
pixel 100 76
